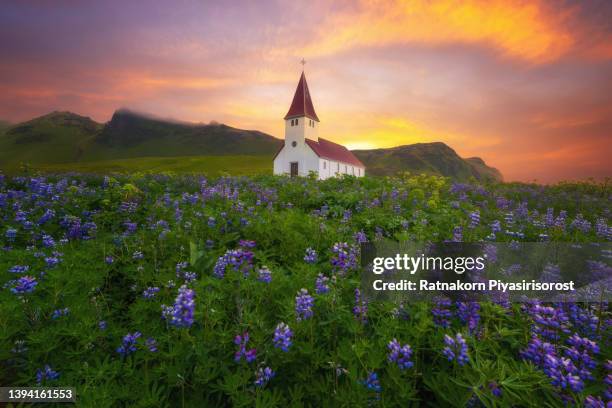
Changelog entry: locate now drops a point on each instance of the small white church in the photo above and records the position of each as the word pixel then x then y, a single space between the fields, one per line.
pixel 304 151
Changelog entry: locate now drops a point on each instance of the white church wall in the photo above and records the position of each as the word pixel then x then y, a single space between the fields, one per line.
pixel 302 154
pixel 302 130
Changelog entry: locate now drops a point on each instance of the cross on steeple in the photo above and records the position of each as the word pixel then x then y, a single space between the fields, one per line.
pixel 303 62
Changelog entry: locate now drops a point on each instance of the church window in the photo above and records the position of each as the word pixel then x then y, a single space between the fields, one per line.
pixel 296 122
pixel 324 164
pixel 294 143
pixel 345 172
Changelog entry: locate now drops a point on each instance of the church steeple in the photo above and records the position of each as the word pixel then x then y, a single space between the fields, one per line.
pixel 301 106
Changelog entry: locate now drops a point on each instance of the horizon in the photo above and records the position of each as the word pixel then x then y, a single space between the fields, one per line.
pixel 528 91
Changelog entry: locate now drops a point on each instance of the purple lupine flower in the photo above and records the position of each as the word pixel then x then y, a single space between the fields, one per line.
pixel 102 324
pixel 311 256
pixel 150 292
pixel 19 268
pixel 360 237
pixel 212 222
pixel 241 341
pixel 128 344
pixel 441 312
pixel 344 258
pixel 469 313
pixel 23 285
pixel 474 219
pixel 263 376
pixel 151 344
pixel 303 305
pixel 181 313
pixel 239 259
pixel 372 383
pixel 594 402
pixel 495 227
pixel 321 284
pixel 400 354
pixel 137 255
pixel 52 261
pixel 563 373
pixel 60 312
pixel 245 243
pixel 537 350
pixel 549 322
pixel 109 259
pixel 360 310
pixel 495 389
pixel 456 349
pixel 264 275
pixel 457 234
pixel 282 336
pixel 48 241
pixel 581 224
pixel 581 353
pixel 46 374
pixel 11 234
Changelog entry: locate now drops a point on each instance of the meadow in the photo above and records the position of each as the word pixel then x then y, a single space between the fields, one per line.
pixel 182 290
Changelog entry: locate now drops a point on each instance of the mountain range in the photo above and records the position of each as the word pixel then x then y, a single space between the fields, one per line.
pixel 65 141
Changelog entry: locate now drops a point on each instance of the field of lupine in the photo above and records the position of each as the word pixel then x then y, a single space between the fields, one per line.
pixel 165 290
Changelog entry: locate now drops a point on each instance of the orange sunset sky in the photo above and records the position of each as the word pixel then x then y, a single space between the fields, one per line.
pixel 526 85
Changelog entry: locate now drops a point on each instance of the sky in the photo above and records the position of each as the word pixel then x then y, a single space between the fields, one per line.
pixel 525 85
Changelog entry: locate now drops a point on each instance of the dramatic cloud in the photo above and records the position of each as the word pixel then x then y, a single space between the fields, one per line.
pixel 525 85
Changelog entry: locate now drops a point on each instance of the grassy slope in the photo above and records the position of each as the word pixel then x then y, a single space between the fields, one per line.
pixel 55 138
pixel 210 165
pixel 431 158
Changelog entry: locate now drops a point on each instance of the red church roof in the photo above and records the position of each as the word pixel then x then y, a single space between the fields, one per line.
pixel 333 151
pixel 302 104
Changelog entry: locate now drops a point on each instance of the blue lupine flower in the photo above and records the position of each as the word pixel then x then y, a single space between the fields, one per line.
pixel 46 374
pixel 303 305
pixel 102 324
pixel 456 349
pixel 52 261
pixel 48 241
pixel 264 275
pixel 241 341
pixel 372 383
pixel 495 389
pixel 594 402
pixel 537 350
pixel 151 344
pixel 474 219
pixel 360 310
pixel 150 292
pixel 563 373
pixel 137 255
pixel 469 313
pixel 344 258
pixel 311 256
pixel 23 285
pixel 263 376
pixel 11 234
pixel 282 337
pixel 19 268
pixel 441 312
pixel 128 345
pixel 400 354
pixel 60 312
pixel 321 284
pixel 109 260
pixel 181 314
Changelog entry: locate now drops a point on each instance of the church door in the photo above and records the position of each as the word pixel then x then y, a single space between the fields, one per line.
pixel 294 169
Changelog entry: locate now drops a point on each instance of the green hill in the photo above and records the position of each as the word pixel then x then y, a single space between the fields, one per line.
pixel 433 158
pixel 64 141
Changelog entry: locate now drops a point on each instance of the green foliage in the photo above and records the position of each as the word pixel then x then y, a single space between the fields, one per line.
pixel 331 353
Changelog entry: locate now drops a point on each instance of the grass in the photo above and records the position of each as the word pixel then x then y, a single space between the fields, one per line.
pixel 211 165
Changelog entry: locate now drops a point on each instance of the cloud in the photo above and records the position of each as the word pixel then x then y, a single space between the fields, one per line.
pixel 528 31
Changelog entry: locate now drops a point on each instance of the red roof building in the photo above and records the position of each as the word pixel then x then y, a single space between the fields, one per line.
pixel 303 151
